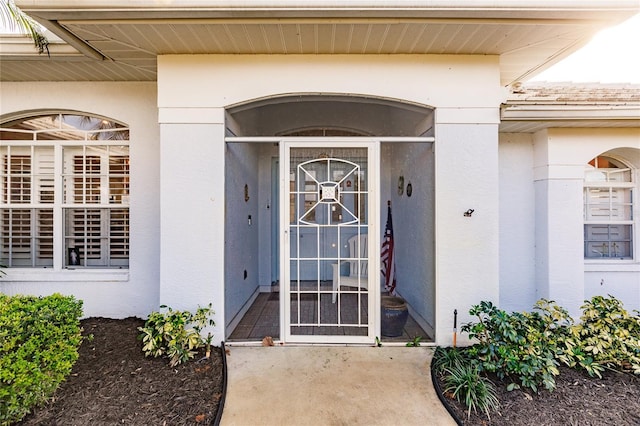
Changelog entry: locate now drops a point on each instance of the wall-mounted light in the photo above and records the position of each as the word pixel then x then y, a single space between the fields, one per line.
pixel 468 213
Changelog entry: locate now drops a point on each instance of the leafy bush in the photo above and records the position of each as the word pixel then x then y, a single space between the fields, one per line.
pixel 607 336
pixel 526 348
pixel 520 347
pixel 175 334
pixel 464 382
pixel 529 346
pixel 39 340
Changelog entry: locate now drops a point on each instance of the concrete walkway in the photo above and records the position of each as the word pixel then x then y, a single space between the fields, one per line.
pixel 338 385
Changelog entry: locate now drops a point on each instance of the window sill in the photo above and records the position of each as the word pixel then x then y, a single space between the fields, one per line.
pixel 65 275
pixel 612 266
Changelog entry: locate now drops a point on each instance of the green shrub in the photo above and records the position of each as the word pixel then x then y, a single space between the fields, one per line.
pixel 606 336
pixel 39 340
pixel 477 393
pixel 175 334
pixel 519 347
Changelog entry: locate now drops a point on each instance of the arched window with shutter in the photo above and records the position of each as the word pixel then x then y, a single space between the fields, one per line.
pixel 64 192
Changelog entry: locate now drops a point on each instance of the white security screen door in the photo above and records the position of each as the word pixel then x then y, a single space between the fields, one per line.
pixel 330 284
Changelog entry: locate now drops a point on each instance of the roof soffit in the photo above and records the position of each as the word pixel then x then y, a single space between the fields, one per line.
pixel 130 35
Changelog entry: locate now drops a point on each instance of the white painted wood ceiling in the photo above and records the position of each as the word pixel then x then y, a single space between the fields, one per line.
pixel 130 47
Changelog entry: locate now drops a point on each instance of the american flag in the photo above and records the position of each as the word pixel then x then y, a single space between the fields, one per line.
pixel 386 256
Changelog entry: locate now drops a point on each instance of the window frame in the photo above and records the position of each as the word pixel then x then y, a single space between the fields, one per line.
pixel 83 140
pixel 632 203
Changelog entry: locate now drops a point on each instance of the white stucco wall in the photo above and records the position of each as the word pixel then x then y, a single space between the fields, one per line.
pixel 192 212
pixel 267 215
pixel 517 222
pixel 465 90
pixel 467 267
pixel 560 161
pixel 525 233
pixel 242 249
pixel 445 81
pixel 413 218
pixel 541 219
pixel 107 293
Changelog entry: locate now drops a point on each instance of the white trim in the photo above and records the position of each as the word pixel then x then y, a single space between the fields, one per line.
pixel 568 112
pixel 611 266
pixel 283 234
pixel 58 213
pixel 323 139
pixel 52 9
pixel 66 143
pixel 65 275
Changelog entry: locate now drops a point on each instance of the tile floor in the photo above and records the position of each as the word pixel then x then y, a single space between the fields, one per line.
pixel 263 319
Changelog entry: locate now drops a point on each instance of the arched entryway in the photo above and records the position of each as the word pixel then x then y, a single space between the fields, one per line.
pixel 386 143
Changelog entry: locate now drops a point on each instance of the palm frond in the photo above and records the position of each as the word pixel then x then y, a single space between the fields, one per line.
pixel 15 19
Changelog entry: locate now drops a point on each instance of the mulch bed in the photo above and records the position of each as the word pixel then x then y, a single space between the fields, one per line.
pixel 577 400
pixel 114 383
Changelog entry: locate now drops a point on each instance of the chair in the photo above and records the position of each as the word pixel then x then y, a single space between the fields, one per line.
pixel 358 266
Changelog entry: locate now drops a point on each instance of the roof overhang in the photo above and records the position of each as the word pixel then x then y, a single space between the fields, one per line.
pixel 535 118
pixel 155 9
pixel 533 108
pixel 121 39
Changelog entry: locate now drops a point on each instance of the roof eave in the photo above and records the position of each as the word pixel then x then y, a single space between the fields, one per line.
pixel 460 9
pixel 569 112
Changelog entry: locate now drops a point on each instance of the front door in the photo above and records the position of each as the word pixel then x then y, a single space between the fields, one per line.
pixel 329 238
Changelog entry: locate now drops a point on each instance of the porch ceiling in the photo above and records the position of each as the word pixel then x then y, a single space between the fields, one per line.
pixel 119 42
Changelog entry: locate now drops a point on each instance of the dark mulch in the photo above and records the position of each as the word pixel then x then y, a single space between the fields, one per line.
pixel 113 383
pixel 577 400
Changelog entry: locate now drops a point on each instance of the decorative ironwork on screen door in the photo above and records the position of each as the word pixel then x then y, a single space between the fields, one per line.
pixel 328 259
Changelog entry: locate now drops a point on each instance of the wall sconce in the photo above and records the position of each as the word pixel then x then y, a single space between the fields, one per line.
pixel 468 213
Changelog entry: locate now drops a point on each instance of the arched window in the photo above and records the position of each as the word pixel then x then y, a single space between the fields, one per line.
pixel 64 192
pixel 608 209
